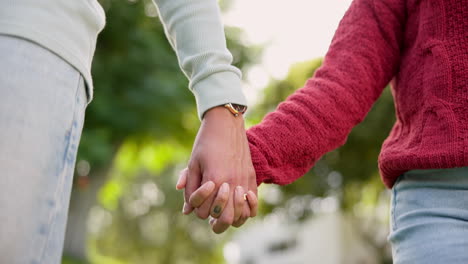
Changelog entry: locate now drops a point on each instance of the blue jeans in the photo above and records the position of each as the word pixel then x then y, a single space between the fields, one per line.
pixel 430 217
pixel 42 105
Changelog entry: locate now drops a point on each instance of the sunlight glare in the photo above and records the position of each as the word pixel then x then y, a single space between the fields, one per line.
pixel 297 31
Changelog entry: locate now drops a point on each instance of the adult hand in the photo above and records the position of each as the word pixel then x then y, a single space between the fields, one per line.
pixel 202 193
pixel 220 154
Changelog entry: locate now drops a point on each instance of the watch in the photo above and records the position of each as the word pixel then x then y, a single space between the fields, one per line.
pixel 236 109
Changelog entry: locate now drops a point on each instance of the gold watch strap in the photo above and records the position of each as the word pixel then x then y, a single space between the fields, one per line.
pixel 236 109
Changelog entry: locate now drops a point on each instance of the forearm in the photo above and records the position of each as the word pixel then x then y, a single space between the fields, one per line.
pixel 195 31
pixel 362 59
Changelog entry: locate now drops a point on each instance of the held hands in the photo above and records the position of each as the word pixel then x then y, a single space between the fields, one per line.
pixel 220 224
pixel 220 180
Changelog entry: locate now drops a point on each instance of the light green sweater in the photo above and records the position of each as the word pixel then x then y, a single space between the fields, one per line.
pixel 70 28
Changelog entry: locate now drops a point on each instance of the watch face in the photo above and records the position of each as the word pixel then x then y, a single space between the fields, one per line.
pixel 240 108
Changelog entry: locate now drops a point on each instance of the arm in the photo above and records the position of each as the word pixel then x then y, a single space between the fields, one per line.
pixel 362 59
pixel 220 152
pixel 195 31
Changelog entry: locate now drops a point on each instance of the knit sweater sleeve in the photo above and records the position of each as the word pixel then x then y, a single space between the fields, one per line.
pixel 362 59
pixel 195 31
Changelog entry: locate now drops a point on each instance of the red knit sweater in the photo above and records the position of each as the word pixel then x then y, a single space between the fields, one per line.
pixel 422 48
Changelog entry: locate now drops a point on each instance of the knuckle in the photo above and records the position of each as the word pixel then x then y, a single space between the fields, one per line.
pixel 221 179
pixel 213 172
pixel 230 178
pixel 210 175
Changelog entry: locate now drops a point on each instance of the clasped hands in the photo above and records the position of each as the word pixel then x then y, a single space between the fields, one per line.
pixel 220 180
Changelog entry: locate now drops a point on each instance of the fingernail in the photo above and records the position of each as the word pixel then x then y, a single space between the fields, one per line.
pixel 224 187
pixel 240 190
pixel 217 209
pixel 177 184
pixel 179 181
pixel 249 196
pixel 186 208
pixel 212 221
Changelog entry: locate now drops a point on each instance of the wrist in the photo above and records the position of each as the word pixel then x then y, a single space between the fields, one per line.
pixel 221 113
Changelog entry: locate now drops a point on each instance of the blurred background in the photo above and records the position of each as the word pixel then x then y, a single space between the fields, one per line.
pixel 141 125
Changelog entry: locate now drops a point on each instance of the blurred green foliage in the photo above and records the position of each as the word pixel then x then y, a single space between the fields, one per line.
pixel 70 260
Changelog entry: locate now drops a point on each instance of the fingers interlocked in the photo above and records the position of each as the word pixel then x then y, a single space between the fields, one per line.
pixel 226 206
pixel 229 207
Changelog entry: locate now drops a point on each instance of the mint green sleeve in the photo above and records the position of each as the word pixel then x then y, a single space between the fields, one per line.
pixel 196 33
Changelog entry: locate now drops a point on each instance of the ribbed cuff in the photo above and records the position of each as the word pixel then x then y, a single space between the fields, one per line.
pixel 259 162
pixel 217 89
